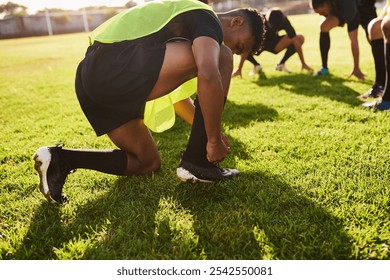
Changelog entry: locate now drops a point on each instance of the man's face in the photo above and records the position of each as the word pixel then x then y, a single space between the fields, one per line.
pixel 323 10
pixel 240 40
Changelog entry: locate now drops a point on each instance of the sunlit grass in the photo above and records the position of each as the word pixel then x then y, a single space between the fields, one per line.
pixel 314 165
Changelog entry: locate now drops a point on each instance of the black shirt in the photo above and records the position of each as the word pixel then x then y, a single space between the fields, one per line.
pixel 191 25
pixel 277 21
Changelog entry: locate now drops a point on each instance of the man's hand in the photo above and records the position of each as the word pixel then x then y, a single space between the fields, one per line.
pixel 237 73
pixel 307 68
pixel 217 151
pixel 357 73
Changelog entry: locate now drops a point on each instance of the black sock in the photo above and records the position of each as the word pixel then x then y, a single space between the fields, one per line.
pixel 386 94
pixel 289 52
pixel 196 148
pixel 252 60
pixel 378 50
pixel 324 48
pixel 110 161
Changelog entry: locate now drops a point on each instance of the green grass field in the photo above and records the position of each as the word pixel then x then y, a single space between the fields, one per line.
pixel 314 183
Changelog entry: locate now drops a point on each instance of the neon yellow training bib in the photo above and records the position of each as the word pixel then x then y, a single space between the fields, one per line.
pixel 141 21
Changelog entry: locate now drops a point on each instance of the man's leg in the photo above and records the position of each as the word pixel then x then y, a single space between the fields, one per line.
pixel 383 103
pixel 292 46
pixel 326 25
pixel 185 109
pixel 377 47
pixel 290 51
pixel 252 60
pixel 256 65
pixel 284 43
pixel 138 153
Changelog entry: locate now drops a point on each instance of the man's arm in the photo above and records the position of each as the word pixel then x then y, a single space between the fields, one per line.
pixel 211 94
pixel 238 72
pixel 353 36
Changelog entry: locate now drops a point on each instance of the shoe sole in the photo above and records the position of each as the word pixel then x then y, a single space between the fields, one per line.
pixel 186 176
pixel 42 158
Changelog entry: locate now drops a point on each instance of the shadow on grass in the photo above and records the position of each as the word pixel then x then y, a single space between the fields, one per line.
pixel 241 115
pixel 259 216
pixel 331 87
pixel 124 215
pixel 255 216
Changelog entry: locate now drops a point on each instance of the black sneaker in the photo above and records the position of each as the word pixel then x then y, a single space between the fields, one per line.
pixel 374 92
pixel 189 172
pixel 52 173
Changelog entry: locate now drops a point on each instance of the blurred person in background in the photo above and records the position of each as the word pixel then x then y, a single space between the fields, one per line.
pixel 277 21
pixel 338 13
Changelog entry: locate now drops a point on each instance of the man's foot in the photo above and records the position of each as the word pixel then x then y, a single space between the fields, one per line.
pixel 375 92
pixel 323 71
pixel 189 172
pixel 379 104
pixel 52 173
pixel 256 69
pixel 281 67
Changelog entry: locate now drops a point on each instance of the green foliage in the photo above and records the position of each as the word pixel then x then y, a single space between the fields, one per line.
pixel 314 164
pixel 12 9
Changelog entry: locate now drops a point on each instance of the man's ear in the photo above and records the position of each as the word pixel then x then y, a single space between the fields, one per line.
pixel 237 21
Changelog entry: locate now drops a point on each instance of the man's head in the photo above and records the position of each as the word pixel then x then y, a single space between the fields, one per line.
pixel 244 30
pixel 322 7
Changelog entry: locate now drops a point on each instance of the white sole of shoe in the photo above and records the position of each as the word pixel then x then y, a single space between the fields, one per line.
pixel 42 158
pixel 186 176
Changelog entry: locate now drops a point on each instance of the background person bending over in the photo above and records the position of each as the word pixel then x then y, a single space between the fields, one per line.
pixel 135 57
pixel 275 43
pixel 375 37
pixel 383 103
pixel 337 13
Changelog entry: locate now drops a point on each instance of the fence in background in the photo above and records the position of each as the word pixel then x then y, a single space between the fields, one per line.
pixel 51 23
pixel 86 20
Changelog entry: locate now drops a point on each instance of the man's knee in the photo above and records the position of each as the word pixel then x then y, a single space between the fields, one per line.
pixel 324 28
pixel 300 39
pixel 328 23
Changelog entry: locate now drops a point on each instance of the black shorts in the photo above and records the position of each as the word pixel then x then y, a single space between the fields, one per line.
pixel 114 80
pixel 352 25
pixel 367 13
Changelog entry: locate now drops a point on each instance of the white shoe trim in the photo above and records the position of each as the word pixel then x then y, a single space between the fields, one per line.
pixel 42 159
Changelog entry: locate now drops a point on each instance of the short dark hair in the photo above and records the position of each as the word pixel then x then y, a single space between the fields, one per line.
pixel 318 3
pixel 257 23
